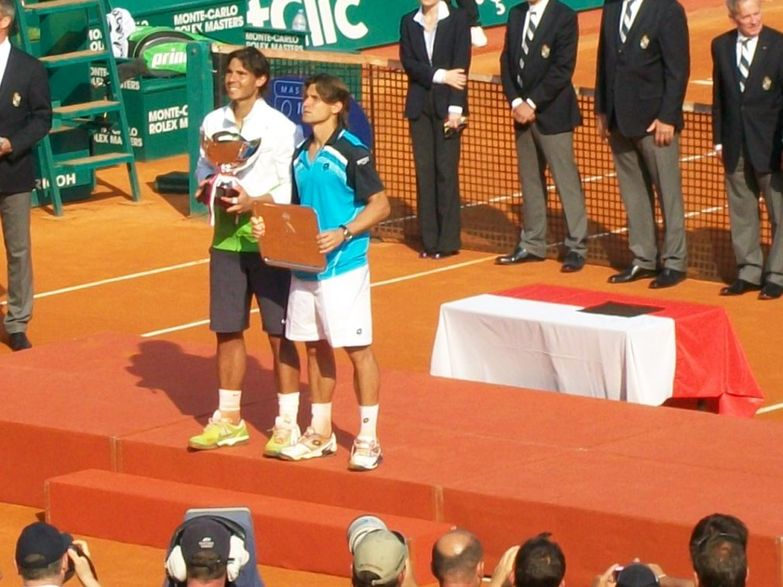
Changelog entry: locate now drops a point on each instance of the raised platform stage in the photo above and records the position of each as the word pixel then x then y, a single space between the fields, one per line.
pixel 95 431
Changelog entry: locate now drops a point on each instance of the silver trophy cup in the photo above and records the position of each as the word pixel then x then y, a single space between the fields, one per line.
pixel 230 153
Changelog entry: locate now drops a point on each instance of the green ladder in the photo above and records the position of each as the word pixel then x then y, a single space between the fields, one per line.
pixel 60 34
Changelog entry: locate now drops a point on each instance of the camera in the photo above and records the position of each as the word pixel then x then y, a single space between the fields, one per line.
pixel 450 131
pixel 360 527
pixel 71 571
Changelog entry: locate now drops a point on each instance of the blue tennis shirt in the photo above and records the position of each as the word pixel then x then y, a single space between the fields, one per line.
pixel 337 183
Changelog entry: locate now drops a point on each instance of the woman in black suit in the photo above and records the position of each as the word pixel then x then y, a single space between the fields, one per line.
pixel 435 53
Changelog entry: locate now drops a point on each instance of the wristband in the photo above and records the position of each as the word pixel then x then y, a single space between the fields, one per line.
pixel 347 234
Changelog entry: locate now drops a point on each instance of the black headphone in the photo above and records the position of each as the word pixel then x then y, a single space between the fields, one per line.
pixel 238 557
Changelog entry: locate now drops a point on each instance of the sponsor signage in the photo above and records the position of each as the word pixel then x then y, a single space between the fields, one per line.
pixel 332 24
pixel 222 21
pixel 275 39
pixel 287 93
pixel 358 24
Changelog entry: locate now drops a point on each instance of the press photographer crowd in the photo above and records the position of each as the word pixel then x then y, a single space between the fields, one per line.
pixel 209 550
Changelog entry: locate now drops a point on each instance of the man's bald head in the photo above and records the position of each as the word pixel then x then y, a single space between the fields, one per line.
pixel 458 559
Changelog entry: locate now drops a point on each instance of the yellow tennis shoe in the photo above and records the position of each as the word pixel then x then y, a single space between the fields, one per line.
pixel 219 433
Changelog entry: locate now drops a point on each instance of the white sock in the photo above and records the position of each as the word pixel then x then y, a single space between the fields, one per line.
pixel 369 421
pixel 228 403
pixel 288 406
pixel 322 418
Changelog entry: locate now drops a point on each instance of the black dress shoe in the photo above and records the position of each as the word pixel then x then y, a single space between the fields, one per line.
pixel 633 273
pixel 572 262
pixel 771 291
pixel 520 255
pixel 739 287
pixel 18 341
pixel 443 255
pixel 667 278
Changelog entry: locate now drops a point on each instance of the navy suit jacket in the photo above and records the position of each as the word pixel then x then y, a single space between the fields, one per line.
pixel 753 118
pixel 25 118
pixel 451 51
pixel 646 77
pixel 549 66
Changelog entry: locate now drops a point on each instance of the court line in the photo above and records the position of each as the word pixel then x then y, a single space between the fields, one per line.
pixel 189 264
pixel 770 408
pixel 127 277
pixel 117 279
pixel 392 281
pixel 551 188
pixel 431 272
pixel 183 327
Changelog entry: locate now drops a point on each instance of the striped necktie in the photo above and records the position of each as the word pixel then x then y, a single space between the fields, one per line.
pixel 527 39
pixel 744 63
pixel 625 25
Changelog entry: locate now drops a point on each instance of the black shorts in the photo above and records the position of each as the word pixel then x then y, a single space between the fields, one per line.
pixel 234 278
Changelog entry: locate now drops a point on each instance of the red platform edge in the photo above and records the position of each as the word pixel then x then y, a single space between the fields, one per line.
pixel 610 480
pixel 289 533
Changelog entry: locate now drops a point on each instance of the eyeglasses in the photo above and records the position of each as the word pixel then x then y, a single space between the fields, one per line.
pixel 701 542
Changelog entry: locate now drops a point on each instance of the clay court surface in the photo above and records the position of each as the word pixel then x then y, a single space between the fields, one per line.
pixel 111 265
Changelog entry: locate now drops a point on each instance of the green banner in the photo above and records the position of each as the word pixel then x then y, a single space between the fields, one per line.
pixel 359 24
pixel 335 25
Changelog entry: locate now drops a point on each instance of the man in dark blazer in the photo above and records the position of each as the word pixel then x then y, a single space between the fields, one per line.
pixel 536 68
pixel 747 119
pixel 435 53
pixel 25 118
pixel 642 74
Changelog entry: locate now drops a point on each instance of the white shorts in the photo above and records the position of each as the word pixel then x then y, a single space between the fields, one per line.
pixel 337 309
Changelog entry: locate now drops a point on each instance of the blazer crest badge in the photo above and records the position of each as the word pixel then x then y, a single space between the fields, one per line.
pixel 16 99
pixel 766 83
pixel 545 51
pixel 645 42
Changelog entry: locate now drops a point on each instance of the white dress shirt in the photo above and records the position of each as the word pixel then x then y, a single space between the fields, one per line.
pixel 5 51
pixel 752 42
pixel 538 9
pixel 637 4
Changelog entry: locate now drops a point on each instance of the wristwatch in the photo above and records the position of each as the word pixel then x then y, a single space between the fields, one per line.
pixel 347 234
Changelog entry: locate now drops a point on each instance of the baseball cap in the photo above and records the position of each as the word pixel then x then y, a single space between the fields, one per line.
pixel 360 527
pixel 381 552
pixel 39 545
pixel 637 575
pixel 205 535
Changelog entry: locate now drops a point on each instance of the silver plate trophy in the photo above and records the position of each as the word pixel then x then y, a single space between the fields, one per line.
pixel 230 153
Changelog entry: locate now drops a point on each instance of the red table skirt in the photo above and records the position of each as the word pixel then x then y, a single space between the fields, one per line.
pixel 710 361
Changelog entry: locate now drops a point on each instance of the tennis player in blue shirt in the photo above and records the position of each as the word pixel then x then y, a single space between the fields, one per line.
pixel 334 173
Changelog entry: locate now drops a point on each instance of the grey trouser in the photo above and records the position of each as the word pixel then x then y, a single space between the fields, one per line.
pixel 642 166
pixel 744 186
pixel 534 152
pixel 15 216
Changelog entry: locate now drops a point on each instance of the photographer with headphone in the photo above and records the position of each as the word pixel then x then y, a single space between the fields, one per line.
pixel 209 551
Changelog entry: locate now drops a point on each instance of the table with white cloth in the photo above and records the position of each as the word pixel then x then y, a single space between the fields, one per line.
pixel 537 337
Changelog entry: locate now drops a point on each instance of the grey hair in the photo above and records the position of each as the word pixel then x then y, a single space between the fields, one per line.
pixel 733 4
